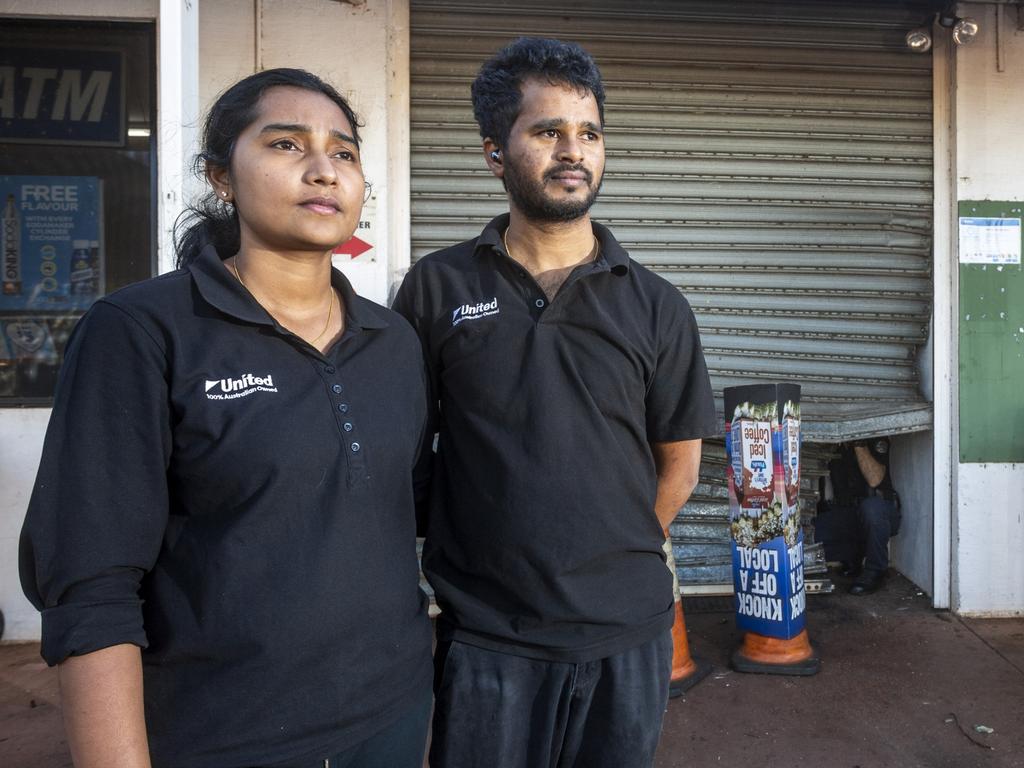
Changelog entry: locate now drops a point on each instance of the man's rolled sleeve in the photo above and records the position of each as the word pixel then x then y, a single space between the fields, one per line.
pixel 97 515
pixel 680 404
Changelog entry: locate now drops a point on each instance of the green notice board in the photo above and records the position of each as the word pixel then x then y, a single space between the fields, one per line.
pixel 991 323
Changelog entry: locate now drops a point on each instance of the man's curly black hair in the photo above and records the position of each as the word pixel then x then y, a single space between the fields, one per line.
pixel 497 90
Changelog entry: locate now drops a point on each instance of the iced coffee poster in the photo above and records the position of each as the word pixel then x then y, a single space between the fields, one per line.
pixel 762 442
pixel 52 244
pixel 751 433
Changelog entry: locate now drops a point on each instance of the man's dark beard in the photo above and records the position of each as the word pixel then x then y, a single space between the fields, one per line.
pixel 530 198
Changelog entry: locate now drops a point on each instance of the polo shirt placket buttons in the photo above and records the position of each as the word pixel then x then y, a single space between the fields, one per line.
pixel 354 447
pixel 347 426
pixel 540 306
pixel 356 462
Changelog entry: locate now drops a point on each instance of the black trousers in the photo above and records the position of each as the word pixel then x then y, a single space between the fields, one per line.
pixel 879 519
pixel 499 710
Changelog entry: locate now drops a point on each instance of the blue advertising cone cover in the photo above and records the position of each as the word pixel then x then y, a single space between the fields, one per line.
pixel 762 444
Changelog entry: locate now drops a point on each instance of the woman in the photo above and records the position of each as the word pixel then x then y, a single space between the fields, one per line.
pixel 226 481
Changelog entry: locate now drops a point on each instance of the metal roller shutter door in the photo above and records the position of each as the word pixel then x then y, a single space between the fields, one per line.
pixel 772 160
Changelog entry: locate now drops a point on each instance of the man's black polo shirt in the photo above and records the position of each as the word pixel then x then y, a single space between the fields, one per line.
pixel 216 491
pixel 542 538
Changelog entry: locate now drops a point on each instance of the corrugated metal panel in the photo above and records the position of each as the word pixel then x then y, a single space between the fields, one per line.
pixel 772 160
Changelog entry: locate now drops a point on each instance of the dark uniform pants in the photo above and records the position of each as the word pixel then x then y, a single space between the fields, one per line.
pixel 498 710
pixel 879 519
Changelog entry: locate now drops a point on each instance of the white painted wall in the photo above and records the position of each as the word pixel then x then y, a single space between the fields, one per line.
pixel 990 533
pixel 176 117
pixel 988 571
pixel 21 443
pixel 911 550
pixel 942 337
pixel 989 108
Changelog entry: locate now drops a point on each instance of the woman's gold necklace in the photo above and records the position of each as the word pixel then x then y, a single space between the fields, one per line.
pixel 330 308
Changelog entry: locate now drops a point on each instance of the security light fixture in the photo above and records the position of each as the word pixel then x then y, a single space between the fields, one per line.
pixel 919 40
pixel 963 30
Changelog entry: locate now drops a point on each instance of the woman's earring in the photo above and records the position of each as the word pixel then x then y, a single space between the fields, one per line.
pixel 367 191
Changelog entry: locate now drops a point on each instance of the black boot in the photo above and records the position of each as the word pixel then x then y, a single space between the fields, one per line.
pixel 867 582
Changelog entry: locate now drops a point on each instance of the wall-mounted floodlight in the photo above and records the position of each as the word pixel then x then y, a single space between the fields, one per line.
pixel 964 31
pixel 919 40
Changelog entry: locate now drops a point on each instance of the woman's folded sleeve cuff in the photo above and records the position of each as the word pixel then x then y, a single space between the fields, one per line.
pixel 74 629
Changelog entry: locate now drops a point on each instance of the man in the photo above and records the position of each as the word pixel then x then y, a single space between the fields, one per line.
pixel 573 397
pixel 861 483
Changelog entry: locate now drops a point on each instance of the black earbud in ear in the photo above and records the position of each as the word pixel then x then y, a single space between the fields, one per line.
pixel 496 155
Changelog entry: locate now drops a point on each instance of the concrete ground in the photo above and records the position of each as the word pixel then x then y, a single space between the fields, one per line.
pixel 900 686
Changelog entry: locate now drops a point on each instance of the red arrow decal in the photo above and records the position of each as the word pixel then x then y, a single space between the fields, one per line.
pixel 352 247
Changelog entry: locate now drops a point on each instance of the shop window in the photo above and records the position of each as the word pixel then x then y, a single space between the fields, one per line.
pixel 77 180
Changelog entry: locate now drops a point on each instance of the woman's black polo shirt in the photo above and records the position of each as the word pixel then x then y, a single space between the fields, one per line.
pixel 542 538
pixel 216 491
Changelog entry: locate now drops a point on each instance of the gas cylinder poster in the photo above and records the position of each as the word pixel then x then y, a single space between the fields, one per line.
pixel 762 444
pixel 51 254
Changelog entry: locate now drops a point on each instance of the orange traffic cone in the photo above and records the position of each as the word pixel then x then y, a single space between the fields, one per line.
pixel 774 656
pixel 686 670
